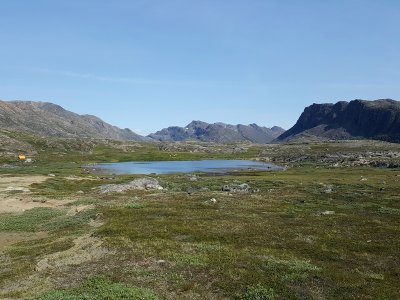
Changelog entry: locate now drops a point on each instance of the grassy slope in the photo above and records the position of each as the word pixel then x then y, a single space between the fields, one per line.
pixel 283 241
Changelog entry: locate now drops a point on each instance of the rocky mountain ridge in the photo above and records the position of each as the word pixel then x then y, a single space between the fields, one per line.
pixel 48 119
pixel 357 119
pixel 218 132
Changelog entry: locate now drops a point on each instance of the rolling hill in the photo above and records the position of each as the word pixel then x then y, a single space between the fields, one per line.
pixel 48 119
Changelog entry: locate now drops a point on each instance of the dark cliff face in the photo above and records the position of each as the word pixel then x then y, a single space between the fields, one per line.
pixel 218 132
pixel 379 119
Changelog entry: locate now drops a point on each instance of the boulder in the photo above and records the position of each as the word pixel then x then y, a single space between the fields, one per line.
pixel 242 187
pixel 145 183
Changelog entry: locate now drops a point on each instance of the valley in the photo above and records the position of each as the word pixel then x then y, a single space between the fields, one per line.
pixel 326 227
pixel 199 150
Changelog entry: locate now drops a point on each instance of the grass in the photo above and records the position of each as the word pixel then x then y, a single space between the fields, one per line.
pixel 45 219
pixel 60 187
pixel 389 210
pixel 273 244
pixel 134 205
pixel 101 289
pixel 258 293
pixel 30 220
pixel 76 221
pixel 273 237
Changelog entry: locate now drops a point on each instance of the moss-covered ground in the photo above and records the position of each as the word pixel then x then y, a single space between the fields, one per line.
pixel 321 229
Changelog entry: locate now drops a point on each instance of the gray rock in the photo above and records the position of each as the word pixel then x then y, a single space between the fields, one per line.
pixel 328 212
pixel 161 262
pixel 145 183
pixel 193 178
pixel 240 187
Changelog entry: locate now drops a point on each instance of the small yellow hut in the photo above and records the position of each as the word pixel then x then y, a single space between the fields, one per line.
pixel 21 157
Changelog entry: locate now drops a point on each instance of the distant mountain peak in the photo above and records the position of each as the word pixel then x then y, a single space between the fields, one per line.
pixel 217 132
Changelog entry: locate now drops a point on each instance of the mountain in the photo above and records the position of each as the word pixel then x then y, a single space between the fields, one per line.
pixel 48 119
pixel 218 132
pixel 357 119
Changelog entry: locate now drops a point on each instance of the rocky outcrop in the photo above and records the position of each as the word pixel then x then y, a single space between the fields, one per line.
pixel 48 119
pixel 146 183
pixel 357 119
pixel 218 132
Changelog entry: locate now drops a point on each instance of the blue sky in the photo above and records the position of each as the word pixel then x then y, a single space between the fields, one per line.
pixel 148 64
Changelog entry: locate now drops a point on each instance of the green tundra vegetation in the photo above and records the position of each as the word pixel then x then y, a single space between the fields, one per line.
pixel 327 227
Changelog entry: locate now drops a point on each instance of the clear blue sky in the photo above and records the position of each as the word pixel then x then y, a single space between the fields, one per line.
pixel 148 64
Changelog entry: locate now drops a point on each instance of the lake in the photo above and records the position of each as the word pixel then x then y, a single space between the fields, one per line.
pixel 189 166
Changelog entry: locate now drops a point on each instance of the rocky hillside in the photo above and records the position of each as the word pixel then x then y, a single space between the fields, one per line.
pixel 47 119
pixel 218 132
pixel 357 119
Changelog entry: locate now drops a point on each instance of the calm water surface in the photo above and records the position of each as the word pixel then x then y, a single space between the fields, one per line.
pixel 168 167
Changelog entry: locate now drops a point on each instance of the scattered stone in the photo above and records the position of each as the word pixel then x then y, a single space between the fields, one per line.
pixel 240 187
pixel 51 175
pixel 326 188
pixel 193 178
pixel 328 212
pixel 363 179
pixel 191 190
pixel 80 192
pixel 161 262
pixel 210 201
pixel 226 188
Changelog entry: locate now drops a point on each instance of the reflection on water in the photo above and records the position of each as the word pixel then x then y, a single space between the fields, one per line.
pixel 168 167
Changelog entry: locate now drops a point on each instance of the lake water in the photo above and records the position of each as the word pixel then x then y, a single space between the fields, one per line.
pixel 169 167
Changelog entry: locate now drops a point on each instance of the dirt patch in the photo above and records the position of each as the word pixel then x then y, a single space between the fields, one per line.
pixel 76 178
pixel 15 195
pixel 21 202
pixel 86 248
pixel 20 181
